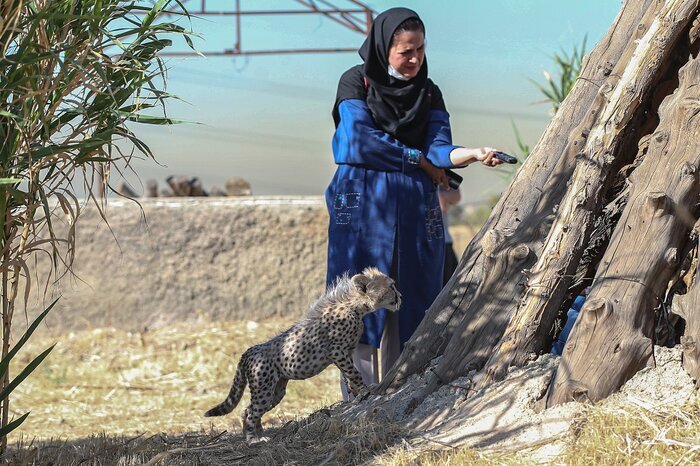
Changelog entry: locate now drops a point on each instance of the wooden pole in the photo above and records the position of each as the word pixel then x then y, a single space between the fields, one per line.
pixel 469 316
pixel 550 276
pixel 612 338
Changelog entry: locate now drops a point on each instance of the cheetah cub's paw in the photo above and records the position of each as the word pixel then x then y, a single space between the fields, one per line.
pixel 256 440
pixel 367 392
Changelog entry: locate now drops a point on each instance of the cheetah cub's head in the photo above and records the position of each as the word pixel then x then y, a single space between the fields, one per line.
pixel 378 288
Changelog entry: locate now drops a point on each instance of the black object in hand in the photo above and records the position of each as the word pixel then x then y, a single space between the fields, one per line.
pixel 505 157
pixel 453 179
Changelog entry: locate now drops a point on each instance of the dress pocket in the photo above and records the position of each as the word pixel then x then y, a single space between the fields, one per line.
pixel 434 228
pixel 346 205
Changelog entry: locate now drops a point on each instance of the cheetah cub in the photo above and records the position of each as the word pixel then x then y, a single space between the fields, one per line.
pixel 326 335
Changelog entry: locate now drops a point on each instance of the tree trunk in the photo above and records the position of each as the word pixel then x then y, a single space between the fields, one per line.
pixel 523 211
pixel 530 247
pixel 687 307
pixel 551 275
pixel 612 338
pixel 469 316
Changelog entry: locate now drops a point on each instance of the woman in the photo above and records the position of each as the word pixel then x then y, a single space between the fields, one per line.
pixel 392 143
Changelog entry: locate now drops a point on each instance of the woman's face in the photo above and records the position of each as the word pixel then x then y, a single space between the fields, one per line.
pixel 407 53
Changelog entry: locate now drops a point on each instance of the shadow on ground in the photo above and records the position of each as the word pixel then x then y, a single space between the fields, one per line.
pixel 318 439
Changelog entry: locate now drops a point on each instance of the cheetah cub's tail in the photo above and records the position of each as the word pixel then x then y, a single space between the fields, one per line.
pixel 236 392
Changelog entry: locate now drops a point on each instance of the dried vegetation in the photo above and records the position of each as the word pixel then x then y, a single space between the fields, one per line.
pixel 109 397
pixel 146 383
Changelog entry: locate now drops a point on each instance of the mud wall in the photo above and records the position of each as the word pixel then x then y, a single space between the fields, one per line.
pixel 184 259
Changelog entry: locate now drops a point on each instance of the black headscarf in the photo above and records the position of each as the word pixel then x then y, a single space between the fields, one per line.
pixel 400 108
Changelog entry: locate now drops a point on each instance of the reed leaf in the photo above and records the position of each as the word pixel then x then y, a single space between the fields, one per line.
pixel 5 362
pixel 567 67
pixel 6 429
pixel 74 77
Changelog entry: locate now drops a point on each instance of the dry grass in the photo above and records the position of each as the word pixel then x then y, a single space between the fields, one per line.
pixel 408 456
pixel 319 439
pixel 604 436
pixel 112 397
pixel 637 436
pixel 131 384
pixel 461 236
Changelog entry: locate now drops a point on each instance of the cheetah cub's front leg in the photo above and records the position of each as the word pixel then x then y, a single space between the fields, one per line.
pixel 343 361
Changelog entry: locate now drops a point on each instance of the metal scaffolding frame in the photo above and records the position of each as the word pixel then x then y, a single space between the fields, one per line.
pixel 357 19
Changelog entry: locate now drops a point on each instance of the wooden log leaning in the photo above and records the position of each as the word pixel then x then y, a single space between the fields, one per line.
pixel 523 212
pixel 497 297
pixel 688 307
pixel 549 278
pixel 612 338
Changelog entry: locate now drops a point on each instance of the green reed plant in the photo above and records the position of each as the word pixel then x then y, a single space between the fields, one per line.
pixel 567 70
pixel 75 75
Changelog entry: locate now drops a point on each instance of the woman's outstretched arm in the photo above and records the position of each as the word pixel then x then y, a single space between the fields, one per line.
pixel 442 153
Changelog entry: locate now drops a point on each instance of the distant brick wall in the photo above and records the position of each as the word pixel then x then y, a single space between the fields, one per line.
pixel 181 259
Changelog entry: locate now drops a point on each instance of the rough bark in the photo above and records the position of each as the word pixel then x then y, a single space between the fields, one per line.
pixel 686 306
pixel 612 338
pixel 472 311
pixel 551 275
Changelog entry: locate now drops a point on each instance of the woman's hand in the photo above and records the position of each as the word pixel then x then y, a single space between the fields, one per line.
pixel 462 156
pixel 486 156
pixel 436 174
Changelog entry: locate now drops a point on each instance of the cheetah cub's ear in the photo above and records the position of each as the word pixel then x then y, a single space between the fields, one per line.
pixel 360 281
pixel 363 279
pixel 373 284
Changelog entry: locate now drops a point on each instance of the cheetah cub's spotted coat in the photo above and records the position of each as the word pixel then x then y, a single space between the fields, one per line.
pixel 327 335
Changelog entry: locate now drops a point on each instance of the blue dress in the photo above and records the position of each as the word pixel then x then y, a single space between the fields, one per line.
pixel 571 316
pixel 379 201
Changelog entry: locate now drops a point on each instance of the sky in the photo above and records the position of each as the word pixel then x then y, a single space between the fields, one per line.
pixel 268 118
